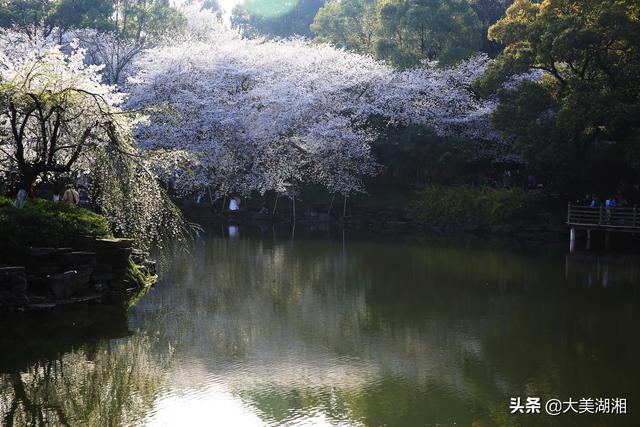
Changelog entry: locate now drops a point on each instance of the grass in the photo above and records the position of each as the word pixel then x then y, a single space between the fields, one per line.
pixel 47 224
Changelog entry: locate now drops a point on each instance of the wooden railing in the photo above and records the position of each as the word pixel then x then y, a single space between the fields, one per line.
pixel 603 217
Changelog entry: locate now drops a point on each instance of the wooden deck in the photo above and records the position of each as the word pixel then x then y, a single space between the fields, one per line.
pixel 618 219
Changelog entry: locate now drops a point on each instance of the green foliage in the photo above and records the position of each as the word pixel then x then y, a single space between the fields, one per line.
pixel 133 19
pixel 417 154
pixel 589 94
pixel 490 11
pixel 402 32
pixel 410 31
pixel 471 206
pixel 135 276
pixel 67 14
pixel 347 23
pixel 294 22
pixel 150 19
pixel 33 16
pixel 45 223
pixel 541 142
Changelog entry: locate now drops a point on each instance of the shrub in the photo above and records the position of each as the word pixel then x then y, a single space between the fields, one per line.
pixel 465 205
pixel 45 223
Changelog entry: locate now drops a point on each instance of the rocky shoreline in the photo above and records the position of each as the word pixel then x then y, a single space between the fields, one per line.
pixel 91 270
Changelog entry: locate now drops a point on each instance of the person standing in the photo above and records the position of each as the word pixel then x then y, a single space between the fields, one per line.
pixel 234 204
pixel 32 191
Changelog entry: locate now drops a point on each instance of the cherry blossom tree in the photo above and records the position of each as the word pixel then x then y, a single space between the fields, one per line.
pixel 53 108
pixel 114 52
pixel 268 115
pixel 58 117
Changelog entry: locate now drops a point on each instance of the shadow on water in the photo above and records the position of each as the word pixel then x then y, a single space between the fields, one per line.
pixel 29 336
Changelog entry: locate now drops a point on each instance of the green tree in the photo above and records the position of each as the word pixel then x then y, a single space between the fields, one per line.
pixel 409 31
pixel 403 32
pixel 489 12
pixel 40 17
pixel 588 52
pixel 348 23
pixel 67 14
pixel 113 32
pixel 415 154
pixel 146 19
pixel 131 19
pixel 296 22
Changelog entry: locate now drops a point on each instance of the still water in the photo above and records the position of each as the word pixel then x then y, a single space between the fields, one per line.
pixel 259 329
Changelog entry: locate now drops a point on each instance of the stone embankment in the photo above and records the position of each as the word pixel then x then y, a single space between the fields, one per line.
pixel 94 269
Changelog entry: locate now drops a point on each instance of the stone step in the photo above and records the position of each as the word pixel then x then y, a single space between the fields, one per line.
pixel 111 243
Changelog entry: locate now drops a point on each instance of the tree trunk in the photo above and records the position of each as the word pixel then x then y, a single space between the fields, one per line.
pixel 26 181
pixel 333 196
pixel 27 178
pixel 344 207
pixel 294 209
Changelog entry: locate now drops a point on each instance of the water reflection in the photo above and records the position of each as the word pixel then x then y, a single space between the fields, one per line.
pixel 261 331
pixel 391 334
pixel 601 270
pixel 88 382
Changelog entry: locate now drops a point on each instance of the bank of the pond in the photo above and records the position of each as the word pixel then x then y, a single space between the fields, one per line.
pixel 504 213
pixel 52 254
pixel 539 227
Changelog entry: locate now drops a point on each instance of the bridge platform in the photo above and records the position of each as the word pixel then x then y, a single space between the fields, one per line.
pixel 600 218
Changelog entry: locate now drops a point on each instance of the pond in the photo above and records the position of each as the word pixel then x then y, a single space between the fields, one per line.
pixel 259 328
